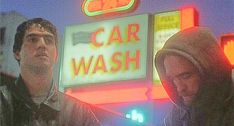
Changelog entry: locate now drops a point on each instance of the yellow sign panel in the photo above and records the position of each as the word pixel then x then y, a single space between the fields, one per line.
pixel 167 21
pixel 165 25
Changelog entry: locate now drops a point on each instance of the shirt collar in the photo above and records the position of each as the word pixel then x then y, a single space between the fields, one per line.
pixel 52 99
pixel 22 93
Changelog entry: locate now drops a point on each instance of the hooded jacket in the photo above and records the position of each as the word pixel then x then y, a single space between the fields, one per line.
pixel 213 105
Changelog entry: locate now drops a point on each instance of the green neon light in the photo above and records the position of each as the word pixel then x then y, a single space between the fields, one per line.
pixel 135 116
pixel 126 7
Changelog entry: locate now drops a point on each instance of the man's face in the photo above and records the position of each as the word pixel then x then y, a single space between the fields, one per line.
pixel 184 75
pixel 38 49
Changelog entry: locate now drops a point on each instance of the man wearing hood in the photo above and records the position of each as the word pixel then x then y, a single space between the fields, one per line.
pixel 197 77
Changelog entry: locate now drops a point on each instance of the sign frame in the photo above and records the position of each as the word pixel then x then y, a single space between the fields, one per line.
pixel 148 64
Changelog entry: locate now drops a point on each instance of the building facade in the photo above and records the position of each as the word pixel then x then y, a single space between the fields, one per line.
pixel 8 24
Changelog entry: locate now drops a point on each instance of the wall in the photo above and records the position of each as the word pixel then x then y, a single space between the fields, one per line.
pixel 10 20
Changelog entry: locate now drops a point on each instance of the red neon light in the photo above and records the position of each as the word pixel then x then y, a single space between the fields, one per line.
pixel 100 7
pixel 105 5
pixel 227 43
pixel 158 92
pixel 229 51
pixel 189 18
pixel 120 95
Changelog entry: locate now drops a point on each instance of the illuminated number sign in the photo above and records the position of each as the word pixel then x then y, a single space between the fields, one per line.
pixel 100 7
pixel 105 51
pixel 135 116
pixel 227 43
pixel 167 24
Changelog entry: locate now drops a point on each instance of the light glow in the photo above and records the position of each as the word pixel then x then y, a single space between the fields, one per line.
pixel 189 18
pixel 135 116
pixel 100 7
pixel 229 51
pixel 227 43
pixel 130 94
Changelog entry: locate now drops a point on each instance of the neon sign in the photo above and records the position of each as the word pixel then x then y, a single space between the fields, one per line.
pixel 105 51
pixel 100 7
pixel 227 43
pixel 117 62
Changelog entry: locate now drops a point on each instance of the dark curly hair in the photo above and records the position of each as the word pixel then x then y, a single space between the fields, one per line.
pixel 23 27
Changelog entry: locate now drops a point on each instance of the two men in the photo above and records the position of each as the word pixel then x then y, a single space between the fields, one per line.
pixel 197 76
pixel 34 99
pixel 191 66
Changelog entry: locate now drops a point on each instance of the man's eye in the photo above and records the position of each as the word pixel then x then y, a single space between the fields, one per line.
pixel 49 40
pixel 33 39
pixel 186 76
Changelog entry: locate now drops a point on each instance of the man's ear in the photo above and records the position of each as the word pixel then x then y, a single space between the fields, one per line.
pixel 56 57
pixel 17 55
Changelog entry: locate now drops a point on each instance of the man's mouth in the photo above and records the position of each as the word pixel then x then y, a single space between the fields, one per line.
pixel 41 55
pixel 188 98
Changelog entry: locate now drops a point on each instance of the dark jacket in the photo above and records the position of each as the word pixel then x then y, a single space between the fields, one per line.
pixel 214 104
pixel 18 109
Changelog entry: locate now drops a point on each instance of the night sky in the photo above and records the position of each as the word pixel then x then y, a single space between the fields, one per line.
pixel 216 14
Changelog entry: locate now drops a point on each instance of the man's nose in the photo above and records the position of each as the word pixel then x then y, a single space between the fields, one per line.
pixel 42 41
pixel 180 86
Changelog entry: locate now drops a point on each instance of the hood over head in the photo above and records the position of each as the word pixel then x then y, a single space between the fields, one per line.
pixel 200 47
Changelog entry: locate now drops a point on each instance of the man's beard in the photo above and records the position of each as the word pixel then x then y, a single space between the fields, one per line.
pixel 39 70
